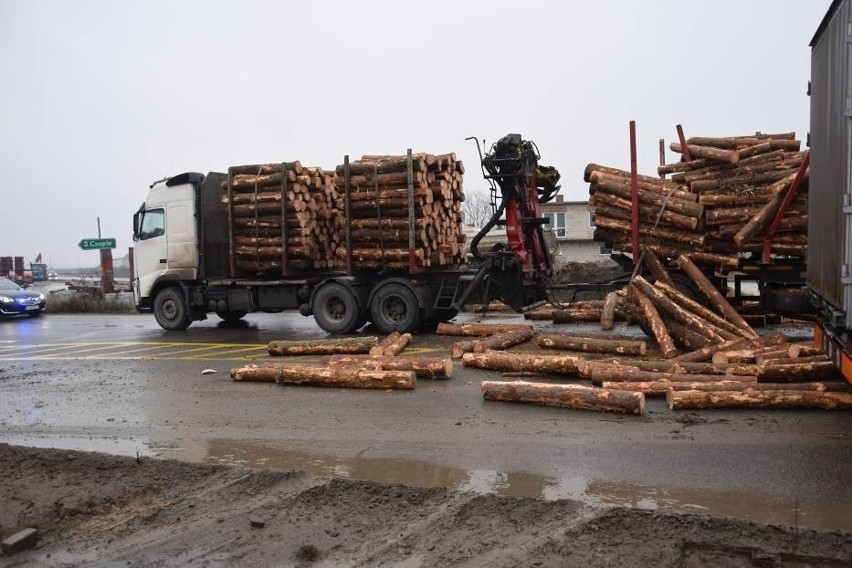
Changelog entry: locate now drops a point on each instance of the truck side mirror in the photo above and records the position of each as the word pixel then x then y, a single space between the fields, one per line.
pixel 136 226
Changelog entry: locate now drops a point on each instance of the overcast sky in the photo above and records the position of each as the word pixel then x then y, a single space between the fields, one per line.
pixel 100 98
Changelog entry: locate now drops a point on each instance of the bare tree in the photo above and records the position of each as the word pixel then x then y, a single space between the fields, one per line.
pixel 477 207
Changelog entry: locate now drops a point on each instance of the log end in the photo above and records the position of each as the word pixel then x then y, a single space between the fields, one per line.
pixel 719 358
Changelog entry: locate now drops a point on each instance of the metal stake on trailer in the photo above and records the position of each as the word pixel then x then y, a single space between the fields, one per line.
pixel 379 213
pixel 232 267
pixel 785 204
pixel 285 260
pixel 634 194
pixel 685 156
pixel 346 190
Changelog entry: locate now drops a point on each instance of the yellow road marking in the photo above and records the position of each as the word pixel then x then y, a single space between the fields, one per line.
pixel 171 350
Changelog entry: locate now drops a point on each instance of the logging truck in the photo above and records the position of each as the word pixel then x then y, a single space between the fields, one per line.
pixel 830 207
pixel 225 243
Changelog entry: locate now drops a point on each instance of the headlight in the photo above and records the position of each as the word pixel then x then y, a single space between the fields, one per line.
pixel 6 299
pixel 40 297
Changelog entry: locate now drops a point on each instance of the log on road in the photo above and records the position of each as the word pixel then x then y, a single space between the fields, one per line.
pixel 592 345
pixel 661 387
pixel 502 341
pixel 391 345
pixel 326 376
pixel 423 367
pixel 531 362
pixel 349 345
pixel 478 329
pixel 565 396
pixel 600 374
pixel 654 323
pixel 461 347
pixel 691 400
pixel 798 372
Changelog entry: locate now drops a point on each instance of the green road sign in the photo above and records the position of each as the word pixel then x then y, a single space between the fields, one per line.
pixel 96 244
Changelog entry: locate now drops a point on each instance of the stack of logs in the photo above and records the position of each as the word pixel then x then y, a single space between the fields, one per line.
pixel 379 210
pixel 355 362
pixel 768 371
pixel 260 197
pixel 717 206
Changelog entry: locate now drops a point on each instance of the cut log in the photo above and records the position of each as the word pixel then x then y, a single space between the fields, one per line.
pixel 326 376
pixel 679 314
pixel 624 374
pixel 461 347
pixel 708 152
pixel 670 366
pixel 799 372
pixel 661 387
pixel 532 362
pixel 702 312
pixel 423 367
pixel 478 329
pixel 391 345
pixel 654 323
pixel 706 353
pixel 655 268
pixel 576 315
pixel 608 311
pixel 590 345
pixel 712 294
pixel 565 396
pixel 502 341
pixel 686 338
pixel 349 345
pixel 803 350
pixel 693 400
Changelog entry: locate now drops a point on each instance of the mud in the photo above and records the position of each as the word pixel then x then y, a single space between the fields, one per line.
pixel 97 510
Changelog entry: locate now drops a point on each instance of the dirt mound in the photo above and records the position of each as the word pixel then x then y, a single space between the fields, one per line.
pixel 94 509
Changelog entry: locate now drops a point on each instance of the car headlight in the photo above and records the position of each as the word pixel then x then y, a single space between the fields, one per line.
pixel 6 299
pixel 40 297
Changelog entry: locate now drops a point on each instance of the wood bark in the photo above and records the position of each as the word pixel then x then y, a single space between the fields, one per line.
pixel 478 329
pixel 693 400
pixel 803 350
pixel 591 345
pixel 531 362
pixel 565 396
pixel 709 291
pixel 501 341
pixel 684 337
pixel 379 349
pixel 423 367
pixel 349 345
pixel 654 323
pixel 655 268
pixel 326 376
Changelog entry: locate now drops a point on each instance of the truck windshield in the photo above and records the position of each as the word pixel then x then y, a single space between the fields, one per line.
pixel 153 224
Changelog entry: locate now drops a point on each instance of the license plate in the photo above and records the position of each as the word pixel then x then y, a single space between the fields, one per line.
pixel 32 308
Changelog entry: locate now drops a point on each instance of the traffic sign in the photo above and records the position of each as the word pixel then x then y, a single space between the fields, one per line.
pixel 96 244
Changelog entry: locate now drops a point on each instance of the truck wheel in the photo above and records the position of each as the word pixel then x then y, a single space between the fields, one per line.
pixel 336 309
pixel 231 316
pixel 170 310
pixel 395 308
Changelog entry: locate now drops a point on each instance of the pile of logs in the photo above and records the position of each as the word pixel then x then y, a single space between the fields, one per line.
pixel 267 202
pixel 717 206
pixel 379 211
pixel 355 362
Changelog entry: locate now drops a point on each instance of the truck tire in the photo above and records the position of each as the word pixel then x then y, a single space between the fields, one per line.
pixel 336 309
pixel 231 316
pixel 395 308
pixel 170 310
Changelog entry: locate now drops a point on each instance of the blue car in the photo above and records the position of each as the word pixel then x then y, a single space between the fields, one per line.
pixel 15 300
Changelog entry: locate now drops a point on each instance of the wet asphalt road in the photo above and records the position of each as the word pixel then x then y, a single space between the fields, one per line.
pixel 120 384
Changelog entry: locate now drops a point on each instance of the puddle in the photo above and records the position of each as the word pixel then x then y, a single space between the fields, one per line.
pixel 762 507
pixel 824 514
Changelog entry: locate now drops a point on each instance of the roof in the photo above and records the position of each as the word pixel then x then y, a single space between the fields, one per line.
pixel 825 20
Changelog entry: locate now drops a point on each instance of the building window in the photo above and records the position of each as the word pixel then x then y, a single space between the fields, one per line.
pixel 557 223
pixel 605 250
pixel 591 219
